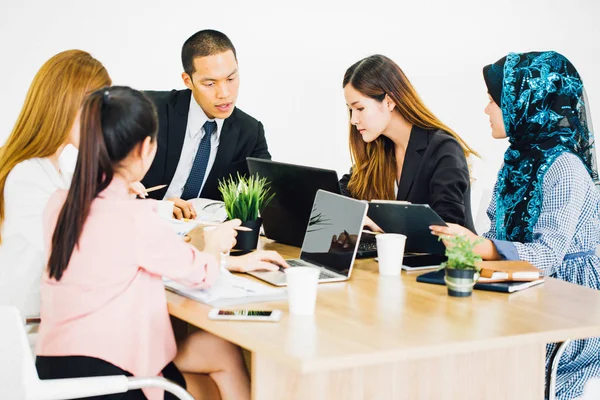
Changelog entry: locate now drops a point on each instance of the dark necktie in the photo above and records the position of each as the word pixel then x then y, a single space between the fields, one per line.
pixel 194 181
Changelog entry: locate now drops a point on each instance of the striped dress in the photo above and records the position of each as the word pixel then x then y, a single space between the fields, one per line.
pixel 565 239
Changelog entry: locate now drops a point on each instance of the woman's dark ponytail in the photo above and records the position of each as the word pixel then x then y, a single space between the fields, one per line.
pixel 113 121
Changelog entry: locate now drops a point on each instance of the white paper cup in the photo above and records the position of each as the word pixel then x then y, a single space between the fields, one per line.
pixel 302 284
pixel 165 209
pixel 390 253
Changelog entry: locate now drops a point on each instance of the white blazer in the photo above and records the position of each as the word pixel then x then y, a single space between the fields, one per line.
pixel 22 252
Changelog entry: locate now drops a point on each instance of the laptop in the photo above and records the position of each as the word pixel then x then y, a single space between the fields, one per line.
pixel 295 186
pixel 330 241
pixel 285 218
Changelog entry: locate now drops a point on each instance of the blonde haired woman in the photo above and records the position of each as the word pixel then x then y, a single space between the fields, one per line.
pixel 30 169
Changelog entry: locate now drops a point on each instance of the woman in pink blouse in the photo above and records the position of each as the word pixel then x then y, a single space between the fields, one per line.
pixel 103 309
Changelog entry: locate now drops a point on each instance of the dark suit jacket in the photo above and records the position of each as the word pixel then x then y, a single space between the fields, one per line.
pixel 435 172
pixel 241 136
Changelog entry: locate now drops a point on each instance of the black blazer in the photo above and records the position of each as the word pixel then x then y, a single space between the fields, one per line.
pixel 241 136
pixel 435 172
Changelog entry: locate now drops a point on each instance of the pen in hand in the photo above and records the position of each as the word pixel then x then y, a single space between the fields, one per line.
pixel 153 188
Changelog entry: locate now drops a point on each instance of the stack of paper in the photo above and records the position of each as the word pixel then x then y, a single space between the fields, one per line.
pixel 229 290
pixel 182 227
pixel 437 278
pixel 208 210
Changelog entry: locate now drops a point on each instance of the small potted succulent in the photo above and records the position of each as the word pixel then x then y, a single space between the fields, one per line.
pixel 244 198
pixel 461 267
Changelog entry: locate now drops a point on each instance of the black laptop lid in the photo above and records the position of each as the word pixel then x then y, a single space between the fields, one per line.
pixel 412 220
pixel 285 218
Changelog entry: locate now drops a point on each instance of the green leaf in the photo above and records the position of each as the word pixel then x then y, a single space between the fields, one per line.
pixel 245 197
pixel 459 250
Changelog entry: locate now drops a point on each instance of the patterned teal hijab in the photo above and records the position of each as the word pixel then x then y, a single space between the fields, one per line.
pixel 543 106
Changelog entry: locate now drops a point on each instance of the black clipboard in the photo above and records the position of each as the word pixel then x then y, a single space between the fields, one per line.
pixel 412 220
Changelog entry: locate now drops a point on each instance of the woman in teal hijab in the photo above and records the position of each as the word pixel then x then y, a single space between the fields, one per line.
pixel 546 205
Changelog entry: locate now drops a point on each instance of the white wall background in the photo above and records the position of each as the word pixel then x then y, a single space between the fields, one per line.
pixel 293 57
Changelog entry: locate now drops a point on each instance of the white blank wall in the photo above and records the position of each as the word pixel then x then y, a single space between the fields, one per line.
pixel 292 57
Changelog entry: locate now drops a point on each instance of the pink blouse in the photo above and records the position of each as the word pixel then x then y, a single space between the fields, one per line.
pixel 110 303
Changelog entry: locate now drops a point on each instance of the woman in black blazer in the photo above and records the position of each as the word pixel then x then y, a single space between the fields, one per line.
pixel 399 149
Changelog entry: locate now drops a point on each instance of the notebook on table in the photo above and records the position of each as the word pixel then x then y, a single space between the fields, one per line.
pixel 437 278
pixel 501 271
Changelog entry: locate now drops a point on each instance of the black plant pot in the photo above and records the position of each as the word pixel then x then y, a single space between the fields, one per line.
pixel 460 282
pixel 248 240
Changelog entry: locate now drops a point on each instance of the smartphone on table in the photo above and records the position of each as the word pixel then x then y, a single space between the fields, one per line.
pixel 245 315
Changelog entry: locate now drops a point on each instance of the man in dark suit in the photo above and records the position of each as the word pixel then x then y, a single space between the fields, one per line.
pixel 203 137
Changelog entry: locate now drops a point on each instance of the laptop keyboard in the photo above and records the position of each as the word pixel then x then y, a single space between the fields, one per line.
pixel 367 246
pixel 299 263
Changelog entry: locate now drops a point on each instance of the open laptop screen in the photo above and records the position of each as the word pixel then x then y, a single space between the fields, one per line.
pixel 333 231
pixel 295 187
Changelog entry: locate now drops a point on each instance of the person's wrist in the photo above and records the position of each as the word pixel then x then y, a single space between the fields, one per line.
pixel 486 249
pixel 212 249
pixel 231 263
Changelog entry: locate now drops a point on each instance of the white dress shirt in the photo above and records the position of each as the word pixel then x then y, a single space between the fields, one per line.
pixel 193 135
pixel 22 252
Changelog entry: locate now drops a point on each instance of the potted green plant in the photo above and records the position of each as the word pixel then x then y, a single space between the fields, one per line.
pixel 461 267
pixel 244 199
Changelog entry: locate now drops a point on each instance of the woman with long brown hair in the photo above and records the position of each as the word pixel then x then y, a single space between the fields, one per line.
pixel 399 149
pixel 31 170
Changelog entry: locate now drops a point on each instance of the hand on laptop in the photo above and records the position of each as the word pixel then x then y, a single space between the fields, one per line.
pixel 183 209
pixel 372 226
pixel 261 260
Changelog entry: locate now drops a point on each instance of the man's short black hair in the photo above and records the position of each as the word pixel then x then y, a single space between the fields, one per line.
pixel 204 43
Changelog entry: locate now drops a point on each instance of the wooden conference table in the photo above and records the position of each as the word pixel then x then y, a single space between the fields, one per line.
pixel 383 338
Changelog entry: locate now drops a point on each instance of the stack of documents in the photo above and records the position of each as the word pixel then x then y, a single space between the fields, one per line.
pixel 437 278
pixel 182 227
pixel 229 290
pixel 208 210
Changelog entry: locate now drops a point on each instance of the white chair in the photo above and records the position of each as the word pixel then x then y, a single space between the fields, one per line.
pixel 19 379
pixel 553 372
pixel 31 328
